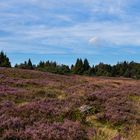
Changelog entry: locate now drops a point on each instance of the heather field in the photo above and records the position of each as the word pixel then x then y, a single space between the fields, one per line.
pixel 42 106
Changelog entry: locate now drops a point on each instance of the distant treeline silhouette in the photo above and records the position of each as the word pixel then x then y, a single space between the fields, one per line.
pixel 124 69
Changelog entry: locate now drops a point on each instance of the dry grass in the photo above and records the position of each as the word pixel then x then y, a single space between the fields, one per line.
pixel 114 98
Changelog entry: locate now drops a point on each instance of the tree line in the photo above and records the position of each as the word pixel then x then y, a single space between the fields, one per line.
pixel 81 67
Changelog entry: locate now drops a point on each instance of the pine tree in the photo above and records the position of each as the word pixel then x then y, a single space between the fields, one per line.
pixel 30 65
pixel 86 65
pixel 72 68
pixel 79 67
pixel 41 64
pixel 4 60
pixel 92 71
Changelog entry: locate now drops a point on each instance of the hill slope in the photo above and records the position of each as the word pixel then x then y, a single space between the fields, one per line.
pixel 36 105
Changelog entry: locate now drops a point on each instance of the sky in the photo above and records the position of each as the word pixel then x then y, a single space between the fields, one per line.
pixel 62 30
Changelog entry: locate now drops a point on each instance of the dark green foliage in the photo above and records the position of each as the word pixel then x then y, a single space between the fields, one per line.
pixel 25 65
pixel 4 60
pixel 81 67
pixel 86 65
pixel 122 69
pixel 103 70
pixel 130 70
pixel 92 71
pixel 53 67
pixel 30 65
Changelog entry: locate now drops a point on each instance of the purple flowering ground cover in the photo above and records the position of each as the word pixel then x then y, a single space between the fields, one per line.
pixel 43 106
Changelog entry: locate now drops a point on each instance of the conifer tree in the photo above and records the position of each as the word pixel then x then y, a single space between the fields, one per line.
pixel 86 65
pixel 79 67
pixel 30 65
pixel 4 60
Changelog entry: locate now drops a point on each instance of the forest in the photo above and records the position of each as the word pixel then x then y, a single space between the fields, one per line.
pixel 81 67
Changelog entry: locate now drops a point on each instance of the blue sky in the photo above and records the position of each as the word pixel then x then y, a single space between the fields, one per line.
pixel 62 30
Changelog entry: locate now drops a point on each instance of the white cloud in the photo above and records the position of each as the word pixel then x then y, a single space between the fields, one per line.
pixel 94 40
pixel 36 24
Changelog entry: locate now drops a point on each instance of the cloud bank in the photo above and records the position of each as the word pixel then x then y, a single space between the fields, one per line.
pixel 69 27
